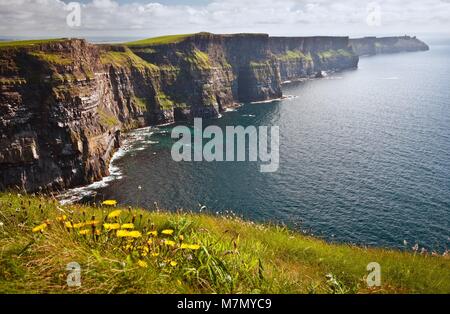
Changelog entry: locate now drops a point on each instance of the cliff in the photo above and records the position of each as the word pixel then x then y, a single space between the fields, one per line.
pixel 64 103
pixel 374 45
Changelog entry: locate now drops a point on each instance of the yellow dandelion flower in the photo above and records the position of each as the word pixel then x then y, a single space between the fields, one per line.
pixel 169 243
pixel 134 234
pixel 68 224
pixel 61 218
pixel 122 233
pixel 190 246
pixel 142 264
pixel 114 214
pixel 150 241
pixel 92 222
pixel 84 232
pixel 109 203
pixel 155 254
pixel 153 233
pixel 173 263
pixel 39 228
pixel 111 226
pixel 79 225
pixel 146 249
pixel 127 226
pixel 167 232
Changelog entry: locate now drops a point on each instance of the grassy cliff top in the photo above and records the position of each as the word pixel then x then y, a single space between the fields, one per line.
pixel 25 43
pixel 125 250
pixel 162 40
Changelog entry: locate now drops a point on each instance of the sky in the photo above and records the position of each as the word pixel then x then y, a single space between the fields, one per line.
pixel 149 18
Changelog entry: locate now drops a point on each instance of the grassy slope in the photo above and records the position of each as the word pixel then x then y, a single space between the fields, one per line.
pixel 162 40
pixel 234 256
pixel 23 43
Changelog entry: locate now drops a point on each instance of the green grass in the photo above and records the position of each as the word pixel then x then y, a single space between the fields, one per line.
pixel 232 256
pixel 198 59
pixel 293 55
pixel 165 102
pixel 327 54
pixel 141 103
pixel 162 40
pixel 126 58
pixel 52 58
pixel 25 43
pixel 107 119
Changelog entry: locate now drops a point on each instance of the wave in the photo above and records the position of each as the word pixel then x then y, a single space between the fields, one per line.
pixel 133 142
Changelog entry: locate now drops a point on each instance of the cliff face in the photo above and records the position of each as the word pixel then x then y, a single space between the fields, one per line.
pixel 299 57
pixel 374 45
pixel 64 103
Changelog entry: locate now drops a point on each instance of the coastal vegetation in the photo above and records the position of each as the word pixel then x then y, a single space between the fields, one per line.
pixel 327 54
pixel 126 58
pixel 24 43
pixel 162 40
pixel 294 55
pixel 135 250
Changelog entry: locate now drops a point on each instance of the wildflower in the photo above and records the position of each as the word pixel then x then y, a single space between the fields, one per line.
pixel 115 214
pixel 167 232
pixel 181 237
pixel 130 234
pixel 153 233
pixel 61 218
pixel 122 233
pixel 127 226
pixel 111 226
pixel 109 203
pixel 134 234
pixel 142 264
pixel 190 246
pixel 155 254
pixel 39 228
pixel 150 241
pixel 68 224
pixel 84 232
pixel 173 263
pixel 92 223
pixel 169 243
pixel 79 225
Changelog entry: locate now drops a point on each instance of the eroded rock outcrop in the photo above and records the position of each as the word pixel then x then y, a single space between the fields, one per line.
pixel 64 103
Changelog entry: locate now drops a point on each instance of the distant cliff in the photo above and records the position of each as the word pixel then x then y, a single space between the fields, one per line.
pixel 374 45
pixel 64 103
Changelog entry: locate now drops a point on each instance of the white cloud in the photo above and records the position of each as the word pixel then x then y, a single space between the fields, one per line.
pixel 288 17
